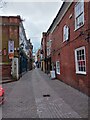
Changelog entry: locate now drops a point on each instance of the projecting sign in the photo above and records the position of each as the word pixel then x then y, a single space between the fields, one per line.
pixel 11 49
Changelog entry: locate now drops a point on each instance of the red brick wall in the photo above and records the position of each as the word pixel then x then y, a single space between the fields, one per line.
pixel 44 44
pixel 38 55
pixel 65 51
pixel 6 71
pixel 89 47
pixel 10 30
pixel 89 67
pixel 0 71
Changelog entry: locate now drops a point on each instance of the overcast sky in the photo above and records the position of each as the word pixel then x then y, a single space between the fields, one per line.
pixel 38 16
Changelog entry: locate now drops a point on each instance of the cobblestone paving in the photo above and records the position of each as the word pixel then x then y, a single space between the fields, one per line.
pixel 24 98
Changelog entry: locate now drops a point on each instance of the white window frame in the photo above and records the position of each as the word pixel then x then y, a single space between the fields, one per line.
pixel 76 61
pixel 65 33
pixel 79 15
pixel 57 67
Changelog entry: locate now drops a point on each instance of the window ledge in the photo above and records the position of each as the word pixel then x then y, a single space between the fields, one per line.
pixel 65 41
pixel 58 73
pixel 78 27
pixel 83 73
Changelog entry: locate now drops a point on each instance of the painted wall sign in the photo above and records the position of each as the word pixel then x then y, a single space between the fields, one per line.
pixel 11 49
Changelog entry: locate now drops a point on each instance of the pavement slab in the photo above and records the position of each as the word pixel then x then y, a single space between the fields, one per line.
pixel 35 95
pixel 53 106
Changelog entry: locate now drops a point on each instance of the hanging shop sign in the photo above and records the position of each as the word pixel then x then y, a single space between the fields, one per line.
pixel 11 49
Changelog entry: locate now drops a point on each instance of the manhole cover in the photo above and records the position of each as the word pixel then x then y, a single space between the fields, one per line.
pixel 47 95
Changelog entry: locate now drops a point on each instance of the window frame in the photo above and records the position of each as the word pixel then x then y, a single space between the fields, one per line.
pixel 76 61
pixel 82 13
pixel 58 67
pixel 65 33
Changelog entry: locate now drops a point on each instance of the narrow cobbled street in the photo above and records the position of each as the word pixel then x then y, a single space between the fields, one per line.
pixel 35 95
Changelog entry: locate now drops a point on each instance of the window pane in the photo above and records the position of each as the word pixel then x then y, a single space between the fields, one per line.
pixel 77 57
pixel 81 65
pixel 79 14
pixel 79 68
pixel 57 67
pixel 83 57
pixel 65 33
pixel 83 52
pixel 84 69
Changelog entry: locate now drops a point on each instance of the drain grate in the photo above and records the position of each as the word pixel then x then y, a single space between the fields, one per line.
pixel 47 95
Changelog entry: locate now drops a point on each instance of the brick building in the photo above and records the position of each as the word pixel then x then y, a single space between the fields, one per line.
pixel 30 54
pixel 43 52
pixel 38 58
pixel 48 49
pixel 70 46
pixel 10 30
pixel 13 45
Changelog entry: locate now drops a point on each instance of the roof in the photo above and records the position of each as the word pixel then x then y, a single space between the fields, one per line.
pixel 63 9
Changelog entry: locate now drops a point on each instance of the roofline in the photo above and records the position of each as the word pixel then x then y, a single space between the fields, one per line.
pixel 55 18
pixel 17 16
pixel 9 16
pixel 58 18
